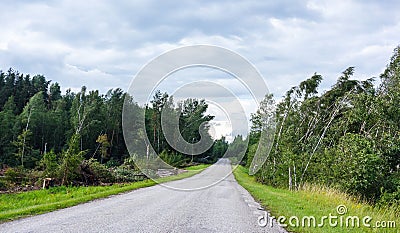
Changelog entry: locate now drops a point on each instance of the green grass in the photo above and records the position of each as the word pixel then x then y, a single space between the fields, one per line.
pixel 197 167
pixel 315 201
pixel 13 206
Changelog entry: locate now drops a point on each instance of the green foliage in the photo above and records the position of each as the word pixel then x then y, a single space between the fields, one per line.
pixel 70 161
pixel 36 118
pixel 348 137
pixel 250 154
pixel 391 196
pixel 390 199
pixel 95 171
pixel 3 184
pixel 362 170
pixel 192 119
pixel 193 126
pixel 13 175
pixel 104 145
pixel 125 174
pixel 173 159
pixel 50 163
pixel 237 147
pixel 130 163
pixel 219 149
pixel 112 163
pixel 20 177
pixel 7 133
pixel 21 144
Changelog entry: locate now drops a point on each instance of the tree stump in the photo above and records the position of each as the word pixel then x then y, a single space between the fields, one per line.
pixel 48 182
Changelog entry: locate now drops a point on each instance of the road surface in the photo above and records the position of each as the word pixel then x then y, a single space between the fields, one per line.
pixel 222 207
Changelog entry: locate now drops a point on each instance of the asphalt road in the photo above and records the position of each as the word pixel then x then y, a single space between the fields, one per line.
pixel 222 207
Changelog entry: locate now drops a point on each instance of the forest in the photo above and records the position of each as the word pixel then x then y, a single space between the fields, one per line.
pixel 77 138
pixel 347 137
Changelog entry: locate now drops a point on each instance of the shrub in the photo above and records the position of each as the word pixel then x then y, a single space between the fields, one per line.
pixel 390 199
pixel 93 172
pixel 14 175
pixel 359 166
pixel 129 162
pixel 3 184
pixel 51 164
pixel 112 163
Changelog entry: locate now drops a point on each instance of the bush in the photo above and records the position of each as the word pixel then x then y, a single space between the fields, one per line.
pixel 93 172
pixel 112 163
pixel 14 175
pixel 390 199
pixel 3 185
pixel 359 167
pixel 130 162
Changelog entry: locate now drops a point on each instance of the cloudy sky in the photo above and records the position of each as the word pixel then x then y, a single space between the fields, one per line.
pixel 103 44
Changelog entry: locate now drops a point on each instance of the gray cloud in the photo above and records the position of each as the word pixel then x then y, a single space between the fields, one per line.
pixel 102 44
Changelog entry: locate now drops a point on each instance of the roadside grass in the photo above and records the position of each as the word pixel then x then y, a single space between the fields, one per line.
pixel 198 167
pixel 17 205
pixel 317 201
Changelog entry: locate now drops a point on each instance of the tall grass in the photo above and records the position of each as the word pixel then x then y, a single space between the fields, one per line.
pixel 316 201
